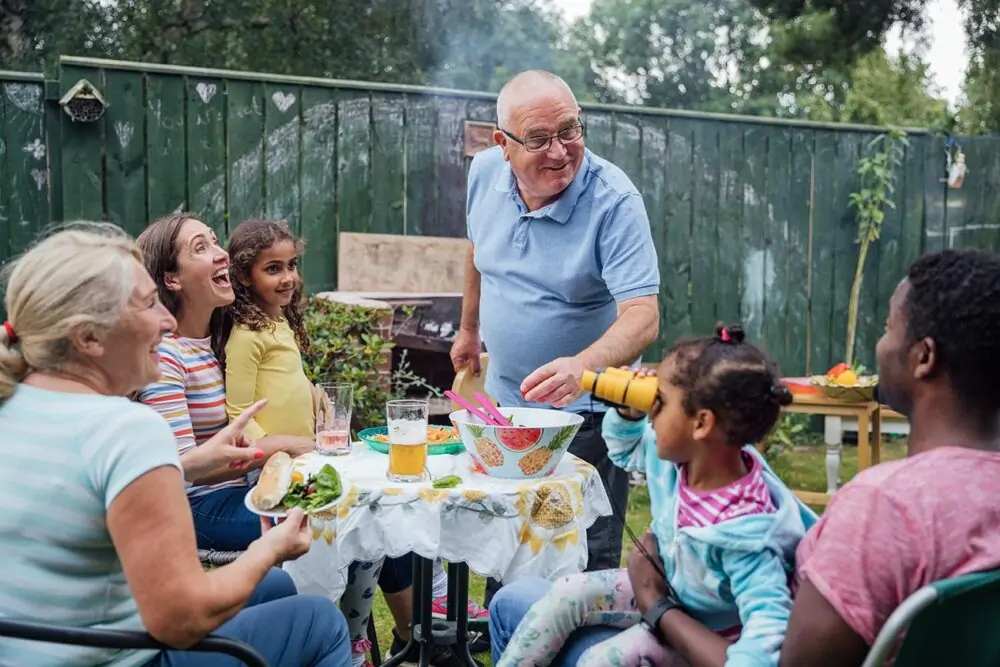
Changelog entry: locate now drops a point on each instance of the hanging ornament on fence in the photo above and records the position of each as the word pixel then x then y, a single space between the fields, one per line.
pixel 955 163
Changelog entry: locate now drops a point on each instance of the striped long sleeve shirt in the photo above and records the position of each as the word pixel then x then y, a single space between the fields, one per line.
pixel 191 396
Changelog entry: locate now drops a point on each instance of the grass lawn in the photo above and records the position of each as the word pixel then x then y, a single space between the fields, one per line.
pixel 802 468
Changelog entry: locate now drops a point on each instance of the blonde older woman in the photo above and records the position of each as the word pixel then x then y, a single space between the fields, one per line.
pixel 96 531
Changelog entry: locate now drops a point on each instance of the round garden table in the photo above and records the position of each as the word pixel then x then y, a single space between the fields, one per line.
pixel 499 528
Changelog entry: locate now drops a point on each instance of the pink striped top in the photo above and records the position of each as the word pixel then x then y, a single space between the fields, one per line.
pixel 747 495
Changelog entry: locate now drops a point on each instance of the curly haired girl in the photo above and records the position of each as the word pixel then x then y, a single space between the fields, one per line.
pixel 725 525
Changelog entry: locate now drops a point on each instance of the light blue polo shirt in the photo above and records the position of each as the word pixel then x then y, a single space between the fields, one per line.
pixel 552 278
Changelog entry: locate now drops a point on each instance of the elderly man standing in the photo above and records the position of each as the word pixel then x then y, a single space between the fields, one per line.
pixel 561 275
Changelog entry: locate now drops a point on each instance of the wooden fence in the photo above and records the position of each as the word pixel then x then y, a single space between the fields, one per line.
pixel 750 216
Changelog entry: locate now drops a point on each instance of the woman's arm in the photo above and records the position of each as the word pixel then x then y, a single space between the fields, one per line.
pixel 150 523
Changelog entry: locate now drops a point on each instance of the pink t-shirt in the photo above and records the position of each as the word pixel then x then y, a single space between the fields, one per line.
pixel 900 526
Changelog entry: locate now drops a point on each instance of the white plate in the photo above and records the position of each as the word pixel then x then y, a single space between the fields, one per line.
pixel 281 511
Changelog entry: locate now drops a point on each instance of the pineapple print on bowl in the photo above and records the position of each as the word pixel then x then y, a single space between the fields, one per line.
pixel 531 448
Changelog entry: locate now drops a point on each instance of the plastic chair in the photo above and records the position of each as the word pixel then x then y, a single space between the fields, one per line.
pixel 123 639
pixel 950 622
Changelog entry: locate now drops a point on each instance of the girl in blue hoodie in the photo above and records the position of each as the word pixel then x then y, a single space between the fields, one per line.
pixel 726 526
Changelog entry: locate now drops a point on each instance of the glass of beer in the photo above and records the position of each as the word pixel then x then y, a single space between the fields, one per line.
pixel 407 420
pixel 333 420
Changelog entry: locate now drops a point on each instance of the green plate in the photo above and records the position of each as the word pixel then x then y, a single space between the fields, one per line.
pixel 367 436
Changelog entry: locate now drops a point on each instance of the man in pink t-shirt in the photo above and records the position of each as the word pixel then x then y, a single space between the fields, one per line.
pixel 902 525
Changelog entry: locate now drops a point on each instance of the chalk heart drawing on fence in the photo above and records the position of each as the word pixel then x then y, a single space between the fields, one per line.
pixel 319 132
pixel 283 100
pixel 206 91
pixel 26 97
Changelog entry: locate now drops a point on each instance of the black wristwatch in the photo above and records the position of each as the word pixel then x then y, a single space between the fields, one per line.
pixel 651 619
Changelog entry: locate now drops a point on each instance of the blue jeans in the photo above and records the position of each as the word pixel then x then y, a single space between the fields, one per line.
pixel 222 522
pixel 289 630
pixel 512 602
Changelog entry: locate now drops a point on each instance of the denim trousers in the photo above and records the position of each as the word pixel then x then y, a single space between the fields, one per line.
pixel 289 630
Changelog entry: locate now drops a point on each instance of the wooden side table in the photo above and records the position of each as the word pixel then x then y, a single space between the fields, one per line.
pixel 869 416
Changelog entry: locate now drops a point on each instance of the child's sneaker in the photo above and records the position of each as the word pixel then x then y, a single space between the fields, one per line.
pixel 477 614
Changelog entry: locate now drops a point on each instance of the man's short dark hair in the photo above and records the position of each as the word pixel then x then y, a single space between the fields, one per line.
pixel 954 299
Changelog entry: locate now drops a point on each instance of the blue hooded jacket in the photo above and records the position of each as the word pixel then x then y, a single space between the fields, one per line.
pixel 732 573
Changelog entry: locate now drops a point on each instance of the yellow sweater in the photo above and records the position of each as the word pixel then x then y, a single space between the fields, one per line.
pixel 267 364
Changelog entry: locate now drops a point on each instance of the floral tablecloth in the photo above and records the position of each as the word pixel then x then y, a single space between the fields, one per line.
pixel 501 528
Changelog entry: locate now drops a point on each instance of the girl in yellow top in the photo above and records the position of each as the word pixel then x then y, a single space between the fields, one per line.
pixel 263 358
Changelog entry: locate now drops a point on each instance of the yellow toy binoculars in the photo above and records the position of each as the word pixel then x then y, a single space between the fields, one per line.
pixel 621 388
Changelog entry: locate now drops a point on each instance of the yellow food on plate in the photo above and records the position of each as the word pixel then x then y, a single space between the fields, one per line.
pixel 436 435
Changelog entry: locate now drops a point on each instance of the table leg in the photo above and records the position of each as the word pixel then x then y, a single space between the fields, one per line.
pixel 428 632
pixel 877 436
pixel 864 442
pixel 458 611
pixel 418 595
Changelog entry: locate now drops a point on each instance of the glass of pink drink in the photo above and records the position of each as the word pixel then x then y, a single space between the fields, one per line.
pixel 333 423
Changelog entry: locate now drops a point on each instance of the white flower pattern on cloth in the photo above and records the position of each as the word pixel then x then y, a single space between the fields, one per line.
pixel 502 528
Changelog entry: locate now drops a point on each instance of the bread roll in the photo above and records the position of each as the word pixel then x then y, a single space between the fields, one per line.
pixel 275 480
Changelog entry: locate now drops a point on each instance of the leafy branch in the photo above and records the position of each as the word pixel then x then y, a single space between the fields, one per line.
pixel 876 172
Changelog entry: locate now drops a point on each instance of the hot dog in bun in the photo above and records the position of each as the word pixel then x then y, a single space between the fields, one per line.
pixel 281 484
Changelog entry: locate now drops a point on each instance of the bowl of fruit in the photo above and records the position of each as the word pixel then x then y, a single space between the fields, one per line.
pixel 531 447
pixel 846 383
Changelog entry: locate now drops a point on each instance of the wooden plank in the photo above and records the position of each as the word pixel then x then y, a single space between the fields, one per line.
pixel 704 248
pixel 675 263
pixel 319 188
pixel 824 235
pixel 354 205
pixel 965 213
pixel 628 146
pixel 388 164
pixel 451 169
pixel 206 152
pixel 405 264
pixel 779 157
pixel 24 185
pixel 935 226
pixel 283 154
pixel 245 104
pixel 729 225
pixel 653 186
pixel 914 210
pixel 600 134
pixel 797 248
pixel 420 147
pixel 888 250
pixel 869 327
pixel 166 136
pixel 845 257
pixel 124 123
pixel 82 147
pixel 755 279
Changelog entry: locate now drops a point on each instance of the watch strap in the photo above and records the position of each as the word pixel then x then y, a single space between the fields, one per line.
pixel 651 619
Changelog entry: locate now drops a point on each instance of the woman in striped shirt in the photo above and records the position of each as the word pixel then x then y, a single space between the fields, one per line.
pixel 191 271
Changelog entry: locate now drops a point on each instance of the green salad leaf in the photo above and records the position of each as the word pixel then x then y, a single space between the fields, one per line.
pixel 448 482
pixel 317 491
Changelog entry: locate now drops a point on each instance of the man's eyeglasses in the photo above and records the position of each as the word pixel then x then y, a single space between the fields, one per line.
pixel 540 144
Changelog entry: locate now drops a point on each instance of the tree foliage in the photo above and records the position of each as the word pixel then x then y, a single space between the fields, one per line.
pixel 818 59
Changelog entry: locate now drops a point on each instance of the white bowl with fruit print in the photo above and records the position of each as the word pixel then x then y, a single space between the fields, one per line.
pixel 531 448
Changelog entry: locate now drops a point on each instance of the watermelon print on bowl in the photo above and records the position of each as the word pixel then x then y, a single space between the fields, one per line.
pixel 529 449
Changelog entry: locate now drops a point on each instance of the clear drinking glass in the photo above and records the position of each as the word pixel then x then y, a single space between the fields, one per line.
pixel 407 421
pixel 333 420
